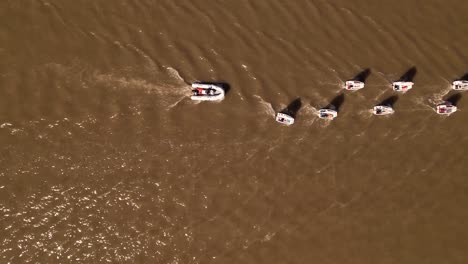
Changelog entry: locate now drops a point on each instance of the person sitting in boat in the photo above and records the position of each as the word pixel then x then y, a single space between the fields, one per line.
pixel 198 91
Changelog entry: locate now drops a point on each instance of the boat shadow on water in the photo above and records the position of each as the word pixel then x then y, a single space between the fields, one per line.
pixel 293 108
pixel 362 76
pixel 390 101
pixel 463 78
pixel 336 103
pixel 454 98
pixel 408 76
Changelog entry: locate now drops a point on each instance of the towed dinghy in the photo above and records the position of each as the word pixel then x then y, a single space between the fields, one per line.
pixel 460 85
pixel 328 114
pixel 446 109
pixel 402 86
pixel 284 119
pixel 383 110
pixel 207 92
pixel 353 85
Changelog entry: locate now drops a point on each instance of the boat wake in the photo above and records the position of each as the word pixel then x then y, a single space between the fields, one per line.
pixel 175 74
pixel 440 95
pixel 368 114
pixel 170 91
pixel 425 104
pixel 337 86
pixel 266 107
pixel 310 114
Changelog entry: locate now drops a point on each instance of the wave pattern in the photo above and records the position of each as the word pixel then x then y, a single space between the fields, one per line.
pixel 105 159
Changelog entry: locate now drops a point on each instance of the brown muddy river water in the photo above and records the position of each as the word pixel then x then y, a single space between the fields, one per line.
pixel 105 159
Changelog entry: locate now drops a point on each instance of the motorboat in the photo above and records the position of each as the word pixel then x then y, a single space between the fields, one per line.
pixel 328 114
pixel 402 86
pixel 446 109
pixel 284 119
pixel 383 110
pixel 460 85
pixel 207 92
pixel 353 85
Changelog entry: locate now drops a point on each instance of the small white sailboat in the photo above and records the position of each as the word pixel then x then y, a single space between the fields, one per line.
pixel 207 92
pixel 353 85
pixel 328 114
pixel 460 85
pixel 284 119
pixel 446 109
pixel 383 110
pixel 402 86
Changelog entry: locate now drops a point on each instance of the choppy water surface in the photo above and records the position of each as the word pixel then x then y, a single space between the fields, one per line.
pixel 104 159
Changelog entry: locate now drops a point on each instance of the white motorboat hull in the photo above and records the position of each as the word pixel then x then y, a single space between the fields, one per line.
pixel 207 92
pixel 383 110
pixel 446 109
pixel 284 119
pixel 402 86
pixel 353 85
pixel 327 114
pixel 460 85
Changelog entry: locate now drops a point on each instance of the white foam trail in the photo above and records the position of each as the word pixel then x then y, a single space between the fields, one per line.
pixel 116 81
pixel 447 80
pixel 169 95
pixel 425 105
pixel 338 83
pixel 367 114
pixel 382 76
pixel 319 98
pixel 380 94
pixel 325 123
pixel 440 96
pixel 175 74
pixel 310 114
pixel 383 85
pixel 249 73
pixel 266 107
pixel 176 103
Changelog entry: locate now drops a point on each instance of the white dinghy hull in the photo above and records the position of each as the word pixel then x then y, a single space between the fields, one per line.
pixel 207 92
pixel 402 86
pixel 284 119
pixel 327 114
pixel 353 85
pixel 446 109
pixel 383 110
pixel 461 85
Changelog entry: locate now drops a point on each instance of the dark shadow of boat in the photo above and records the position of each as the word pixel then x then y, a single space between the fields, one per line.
pixel 453 99
pixel 224 85
pixel 408 76
pixel 336 103
pixel 362 76
pixel 463 78
pixel 293 108
pixel 390 101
